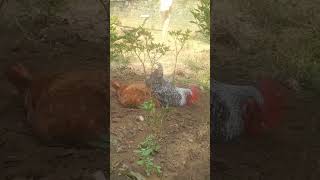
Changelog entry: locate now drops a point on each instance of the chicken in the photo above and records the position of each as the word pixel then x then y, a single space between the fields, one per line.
pixel 133 95
pixel 238 109
pixel 64 107
pixel 167 93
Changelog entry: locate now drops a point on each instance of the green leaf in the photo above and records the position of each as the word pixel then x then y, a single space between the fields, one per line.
pixel 140 162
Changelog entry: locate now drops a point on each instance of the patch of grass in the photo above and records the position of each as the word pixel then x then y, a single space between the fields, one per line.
pixel 200 73
pixel 155 117
pixel 146 151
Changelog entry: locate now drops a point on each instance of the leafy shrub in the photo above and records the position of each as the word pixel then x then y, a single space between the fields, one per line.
pixel 140 43
pixel 179 38
pixel 201 16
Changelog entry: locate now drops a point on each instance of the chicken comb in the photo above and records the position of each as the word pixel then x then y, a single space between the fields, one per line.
pixel 275 97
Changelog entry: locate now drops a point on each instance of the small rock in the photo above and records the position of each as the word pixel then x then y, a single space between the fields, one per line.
pixel 140 118
pixel 190 140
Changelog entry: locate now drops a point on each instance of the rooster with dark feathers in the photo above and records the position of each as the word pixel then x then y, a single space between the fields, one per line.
pixel 245 109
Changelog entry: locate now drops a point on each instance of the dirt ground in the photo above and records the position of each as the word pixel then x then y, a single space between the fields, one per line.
pixel 68 46
pixel 184 134
pixel 291 151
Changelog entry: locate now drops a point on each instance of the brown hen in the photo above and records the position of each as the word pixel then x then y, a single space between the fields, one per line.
pixel 133 95
pixel 64 107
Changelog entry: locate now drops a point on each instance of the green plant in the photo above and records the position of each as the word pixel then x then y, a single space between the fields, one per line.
pixel 140 43
pixel 201 16
pixel 146 150
pixel 148 106
pixel 179 38
pixel 155 117
pixel 118 55
pixel 116 49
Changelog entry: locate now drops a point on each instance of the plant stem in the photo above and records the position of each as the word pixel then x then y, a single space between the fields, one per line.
pixel 143 65
pixel 176 60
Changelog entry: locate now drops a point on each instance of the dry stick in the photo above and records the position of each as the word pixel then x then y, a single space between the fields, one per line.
pixel 154 58
pixel 177 54
pixel 142 62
